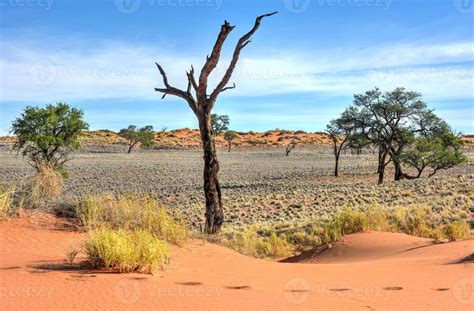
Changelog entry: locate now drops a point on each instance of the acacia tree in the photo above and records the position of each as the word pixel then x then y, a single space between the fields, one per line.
pixel 229 136
pixel 341 131
pixel 384 119
pixel 201 103
pixel 438 152
pixel 48 135
pixel 290 147
pixel 219 123
pixel 145 136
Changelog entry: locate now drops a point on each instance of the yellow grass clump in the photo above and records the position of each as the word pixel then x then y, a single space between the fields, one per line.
pixel 126 250
pixel 131 213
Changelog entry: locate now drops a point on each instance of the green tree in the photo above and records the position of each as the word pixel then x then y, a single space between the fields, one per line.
pixel 341 131
pixel 405 131
pixel 48 135
pixel 386 120
pixel 438 152
pixel 229 136
pixel 219 123
pixel 145 136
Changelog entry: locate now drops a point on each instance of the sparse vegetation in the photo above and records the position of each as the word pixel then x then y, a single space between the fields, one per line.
pixel 71 254
pixel 229 136
pixel 46 183
pixel 6 202
pixel 126 250
pixel 145 136
pixel 131 213
pixel 269 242
pixel 129 233
pixel 290 147
pixel 457 230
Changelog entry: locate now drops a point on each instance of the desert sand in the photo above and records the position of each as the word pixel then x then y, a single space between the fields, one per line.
pixel 365 271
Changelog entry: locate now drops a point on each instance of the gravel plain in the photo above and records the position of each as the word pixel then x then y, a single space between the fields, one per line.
pixel 259 185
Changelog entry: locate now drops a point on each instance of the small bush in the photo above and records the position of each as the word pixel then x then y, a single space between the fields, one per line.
pixel 132 213
pixel 351 221
pixel 6 202
pixel 126 250
pixel 415 221
pixel 256 243
pixel 71 254
pixel 46 183
pixel 457 230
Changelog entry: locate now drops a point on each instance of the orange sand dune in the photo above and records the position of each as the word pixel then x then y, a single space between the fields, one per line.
pixel 367 271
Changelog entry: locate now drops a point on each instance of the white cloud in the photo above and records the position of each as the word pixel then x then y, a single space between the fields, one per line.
pixel 33 73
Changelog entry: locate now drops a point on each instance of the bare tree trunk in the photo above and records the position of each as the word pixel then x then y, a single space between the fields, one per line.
pixel 201 103
pixel 381 169
pixel 336 166
pixel 212 191
pixel 230 145
pixel 130 147
pixel 398 170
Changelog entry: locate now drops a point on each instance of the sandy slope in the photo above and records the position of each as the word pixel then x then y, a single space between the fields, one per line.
pixel 367 271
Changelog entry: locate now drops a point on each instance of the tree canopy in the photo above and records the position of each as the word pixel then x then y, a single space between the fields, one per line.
pixel 403 130
pixel 145 136
pixel 48 135
pixel 219 123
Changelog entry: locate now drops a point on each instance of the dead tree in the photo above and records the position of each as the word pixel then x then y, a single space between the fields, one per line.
pixel 201 103
pixel 289 147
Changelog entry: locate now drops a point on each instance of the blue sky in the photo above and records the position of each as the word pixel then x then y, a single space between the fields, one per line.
pixel 301 69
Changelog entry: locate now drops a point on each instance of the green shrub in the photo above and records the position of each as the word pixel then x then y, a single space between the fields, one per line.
pixel 457 230
pixel 126 250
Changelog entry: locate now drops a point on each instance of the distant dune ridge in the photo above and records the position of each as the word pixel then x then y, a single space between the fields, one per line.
pixel 190 138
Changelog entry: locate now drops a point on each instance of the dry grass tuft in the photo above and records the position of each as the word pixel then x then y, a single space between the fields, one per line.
pixel 46 183
pixel 131 213
pixel 126 250
pixel 7 206
pixel 457 230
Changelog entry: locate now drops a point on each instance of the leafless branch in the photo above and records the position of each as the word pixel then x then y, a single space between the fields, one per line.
pixel 175 91
pixel 243 41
